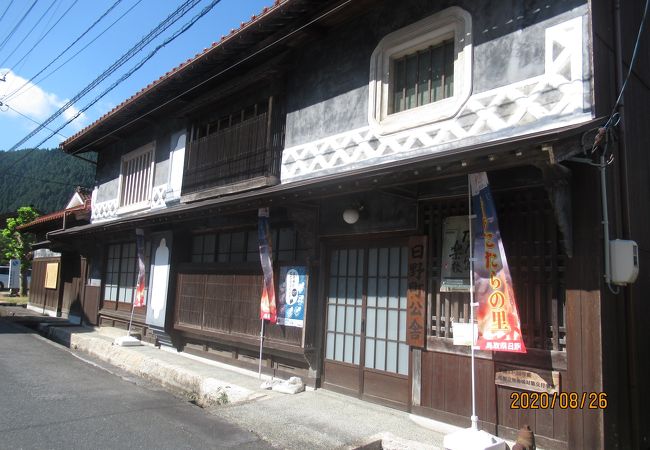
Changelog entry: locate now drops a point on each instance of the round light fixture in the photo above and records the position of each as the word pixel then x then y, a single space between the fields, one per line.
pixel 351 215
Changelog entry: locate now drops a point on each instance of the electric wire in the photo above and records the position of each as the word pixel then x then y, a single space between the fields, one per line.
pixel 17 92
pixel 635 53
pixel 252 55
pixel 201 83
pixel 31 30
pixel 155 32
pixel 4 13
pixel 151 54
pixel 27 117
pixel 18 24
pixel 12 80
pixel 65 13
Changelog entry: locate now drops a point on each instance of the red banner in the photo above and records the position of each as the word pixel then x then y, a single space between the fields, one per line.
pixel 499 328
pixel 267 303
pixel 139 300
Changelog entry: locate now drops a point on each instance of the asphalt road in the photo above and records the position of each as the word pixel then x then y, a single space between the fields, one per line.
pixel 51 399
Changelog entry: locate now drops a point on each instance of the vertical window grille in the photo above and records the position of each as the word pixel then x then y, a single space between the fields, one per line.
pixel 122 272
pixel 136 177
pixel 242 246
pixel 423 77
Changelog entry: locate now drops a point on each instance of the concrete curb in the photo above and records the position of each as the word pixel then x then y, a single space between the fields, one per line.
pixel 204 391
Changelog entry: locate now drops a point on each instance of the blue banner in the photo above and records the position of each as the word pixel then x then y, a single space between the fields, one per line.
pixel 293 296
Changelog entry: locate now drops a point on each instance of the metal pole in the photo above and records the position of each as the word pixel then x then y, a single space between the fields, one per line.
pixel 474 417
pixel 261 341
pixel 603 190
pixel 128 333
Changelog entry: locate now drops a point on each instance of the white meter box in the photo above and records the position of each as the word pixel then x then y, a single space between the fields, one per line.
pixel 624 261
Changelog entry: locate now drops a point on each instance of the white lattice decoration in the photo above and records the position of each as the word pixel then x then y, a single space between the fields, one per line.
pixel 104 211
pixel 158 194
pixel 551 100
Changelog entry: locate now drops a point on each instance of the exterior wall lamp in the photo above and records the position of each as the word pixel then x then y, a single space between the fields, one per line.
pixel 351 215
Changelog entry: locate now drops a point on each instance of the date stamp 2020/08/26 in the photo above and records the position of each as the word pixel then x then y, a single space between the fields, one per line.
pixel 563 400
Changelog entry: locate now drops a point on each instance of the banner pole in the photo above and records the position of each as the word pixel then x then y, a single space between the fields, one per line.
pixel 128 333
pixel 472 305
pixel 261 341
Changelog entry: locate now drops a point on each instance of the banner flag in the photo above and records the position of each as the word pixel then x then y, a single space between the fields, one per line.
pixel 293 296
pixel 499 328
pixel 267 303
pixel 139 299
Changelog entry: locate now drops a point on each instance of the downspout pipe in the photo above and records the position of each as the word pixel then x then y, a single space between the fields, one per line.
pixel 633 391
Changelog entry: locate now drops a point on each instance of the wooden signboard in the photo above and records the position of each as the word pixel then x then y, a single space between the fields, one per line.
pixel 416 293
pixel 527 380
pixel 51 275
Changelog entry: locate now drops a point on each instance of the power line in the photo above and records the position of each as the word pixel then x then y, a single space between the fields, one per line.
pixel 18 24
pixel 241 61
pixel 17 91
pixel 22 41
pixel 49 21
pixel 635 53
pixel 155 32
pixel 201 83
pixel 4 13
pixel 65 13
pixel 151 54
pixel 27 117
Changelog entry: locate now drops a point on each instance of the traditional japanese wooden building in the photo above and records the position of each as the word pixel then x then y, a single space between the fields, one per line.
pixel 356 123
pixel 57 284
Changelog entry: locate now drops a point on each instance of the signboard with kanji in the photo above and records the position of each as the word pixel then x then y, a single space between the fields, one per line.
pixel 454 270
pixel 416 293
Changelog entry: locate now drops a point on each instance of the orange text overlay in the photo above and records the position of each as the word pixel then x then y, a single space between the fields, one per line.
pixel 562 400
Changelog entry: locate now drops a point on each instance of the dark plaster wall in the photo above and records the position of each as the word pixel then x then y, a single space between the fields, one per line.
pixel 328 84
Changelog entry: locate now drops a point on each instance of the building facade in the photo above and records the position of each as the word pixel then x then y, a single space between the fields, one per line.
pixel 356 124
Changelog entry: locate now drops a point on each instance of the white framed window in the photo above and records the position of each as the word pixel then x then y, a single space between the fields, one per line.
pixel 421 73
pixel 136 178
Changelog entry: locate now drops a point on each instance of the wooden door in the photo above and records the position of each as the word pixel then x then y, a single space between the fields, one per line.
pixel 366 354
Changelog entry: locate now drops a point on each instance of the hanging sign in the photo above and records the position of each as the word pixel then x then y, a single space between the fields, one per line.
pixel 139 300
pixel 454 270
pixel 416 293
pixel 293 296
pixel 267 302
pixel 499 328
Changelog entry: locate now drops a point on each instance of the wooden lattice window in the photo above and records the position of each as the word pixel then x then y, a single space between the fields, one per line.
pixel 122 272
pixel 242 246
pixel 423 77
pixel 532 243
pixel 136 177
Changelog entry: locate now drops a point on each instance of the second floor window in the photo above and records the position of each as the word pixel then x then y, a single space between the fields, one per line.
pixel 423 77
pixel 235 151
pixel 136 177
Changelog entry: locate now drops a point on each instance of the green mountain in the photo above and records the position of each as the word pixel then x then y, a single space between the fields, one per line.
pixel 43 178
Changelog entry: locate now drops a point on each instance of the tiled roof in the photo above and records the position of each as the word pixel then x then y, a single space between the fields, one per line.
pixel 59 214
pixel 178 69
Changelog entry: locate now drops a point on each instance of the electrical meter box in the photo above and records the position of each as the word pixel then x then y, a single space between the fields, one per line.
pixel 624 259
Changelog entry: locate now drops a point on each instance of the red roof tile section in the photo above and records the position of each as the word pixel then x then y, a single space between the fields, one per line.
pixel 175 70
pixel 59 214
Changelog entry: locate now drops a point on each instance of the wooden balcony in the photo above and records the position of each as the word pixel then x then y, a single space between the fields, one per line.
pixel 223 158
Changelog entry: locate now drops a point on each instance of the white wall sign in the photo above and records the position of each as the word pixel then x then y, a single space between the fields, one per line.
pixel 14 274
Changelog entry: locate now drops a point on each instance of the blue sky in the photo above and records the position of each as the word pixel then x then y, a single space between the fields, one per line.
pixel 47 95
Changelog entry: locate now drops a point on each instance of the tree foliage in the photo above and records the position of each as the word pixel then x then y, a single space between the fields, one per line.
pixel 18 244
pixel 42 178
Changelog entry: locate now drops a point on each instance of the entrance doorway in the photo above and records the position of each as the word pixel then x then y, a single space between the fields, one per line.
pixel 366 354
